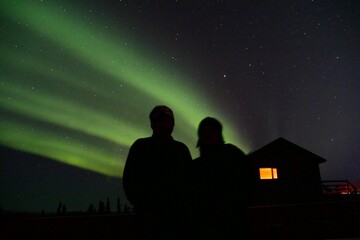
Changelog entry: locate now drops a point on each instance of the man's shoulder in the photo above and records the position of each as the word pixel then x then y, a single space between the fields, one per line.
pixel 234 149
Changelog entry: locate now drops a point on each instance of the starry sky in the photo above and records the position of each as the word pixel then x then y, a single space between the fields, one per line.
pixel 79 78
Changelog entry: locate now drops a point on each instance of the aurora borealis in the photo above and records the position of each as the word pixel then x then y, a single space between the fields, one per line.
pixel 75 93
pixel 79 78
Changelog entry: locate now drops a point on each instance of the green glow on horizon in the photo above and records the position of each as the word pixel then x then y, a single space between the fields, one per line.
pixel 53 146
pixel 45 88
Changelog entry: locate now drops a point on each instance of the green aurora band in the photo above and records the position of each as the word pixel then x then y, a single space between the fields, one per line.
pixel 72 93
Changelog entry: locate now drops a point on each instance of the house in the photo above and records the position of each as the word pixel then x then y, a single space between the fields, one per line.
pixel 283 172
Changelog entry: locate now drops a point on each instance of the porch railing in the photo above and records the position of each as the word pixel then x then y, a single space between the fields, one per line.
pixel 338 187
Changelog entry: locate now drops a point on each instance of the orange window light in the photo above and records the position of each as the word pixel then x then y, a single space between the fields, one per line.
pixel 268 173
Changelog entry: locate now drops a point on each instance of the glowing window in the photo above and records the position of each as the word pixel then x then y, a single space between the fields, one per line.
pixel 274 172
pixel 268 173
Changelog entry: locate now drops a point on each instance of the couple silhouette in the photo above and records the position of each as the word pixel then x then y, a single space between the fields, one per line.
pixel 175 197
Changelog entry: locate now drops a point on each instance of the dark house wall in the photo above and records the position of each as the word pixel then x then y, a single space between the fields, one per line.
pixel 298 174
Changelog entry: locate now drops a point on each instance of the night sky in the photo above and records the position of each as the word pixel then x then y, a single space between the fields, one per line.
pixel 78 80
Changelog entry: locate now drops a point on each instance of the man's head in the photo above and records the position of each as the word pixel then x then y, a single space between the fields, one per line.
pixel 209 132
pixel 162 120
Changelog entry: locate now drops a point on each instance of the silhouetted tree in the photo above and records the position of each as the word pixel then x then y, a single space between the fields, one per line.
pixel 107 210
pixel 59 208
pixel 118 206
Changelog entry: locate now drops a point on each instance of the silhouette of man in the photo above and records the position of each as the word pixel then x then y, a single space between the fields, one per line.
pixel 154 178
pixel 220 185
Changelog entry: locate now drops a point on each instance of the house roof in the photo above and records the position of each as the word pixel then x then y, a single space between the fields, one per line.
pixel 282 146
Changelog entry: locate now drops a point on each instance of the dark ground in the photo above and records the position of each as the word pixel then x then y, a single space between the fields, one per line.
pixel 323 220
